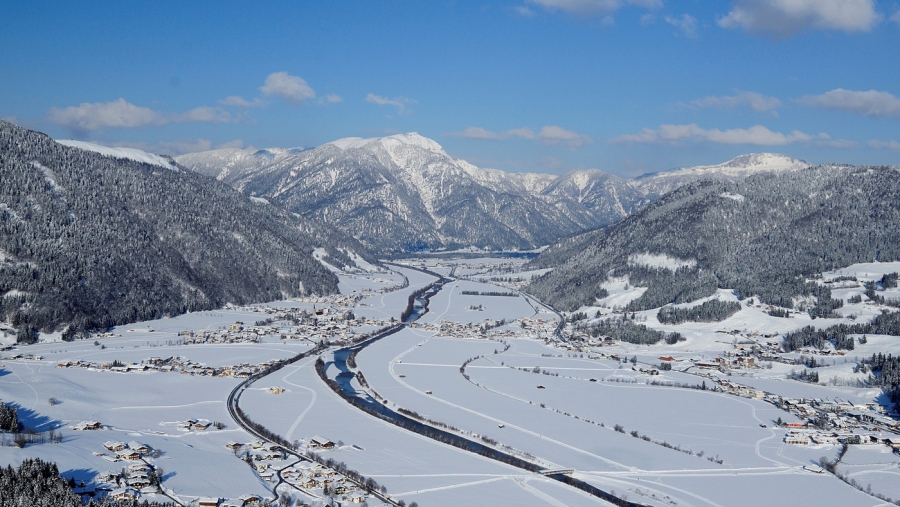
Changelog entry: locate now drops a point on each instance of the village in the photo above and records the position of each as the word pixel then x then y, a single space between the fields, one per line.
pixel 490 328
pixel 308 474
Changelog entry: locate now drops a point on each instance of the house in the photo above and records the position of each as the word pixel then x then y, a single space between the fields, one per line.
pixel 87 425
pixel 114 446
pixel 666 358
pixel 796 439
pixel 893 442
pixel 138 447
pixel 794 425
pixel 248 500
pixel 129 455
pixel 234 445
pixel 138 482
pixel 276 390
pixel 111 477
pixel 209 502
pixel 123 494
pixel 321 442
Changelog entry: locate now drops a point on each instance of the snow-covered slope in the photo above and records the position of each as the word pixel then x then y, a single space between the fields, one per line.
pixel 126 153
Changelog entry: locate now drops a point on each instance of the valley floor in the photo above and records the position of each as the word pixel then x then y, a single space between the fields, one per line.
pixel 485 360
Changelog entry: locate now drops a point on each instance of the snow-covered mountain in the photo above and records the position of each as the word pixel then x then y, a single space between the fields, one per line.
pixel 736 168
pixel 404 192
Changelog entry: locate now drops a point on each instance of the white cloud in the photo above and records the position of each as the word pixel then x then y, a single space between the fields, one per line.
pixel 592 7
pixel 292 89
pixel 203 114
pixel 686 23
pixel 238 101
pixel 896 17
pixel 553 135
pixel 755 101
pixel 548 134
pixel 784 18
pixel 869 103
pixel 755 135
pixel 887 145
pixel 121 113
pixel 525 11
pixel 648 19
pixel 333 98
pixel 399 102
pixel 99 115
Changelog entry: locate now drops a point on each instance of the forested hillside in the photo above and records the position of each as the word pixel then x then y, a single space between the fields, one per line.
pixel 96 241
pixel 761 236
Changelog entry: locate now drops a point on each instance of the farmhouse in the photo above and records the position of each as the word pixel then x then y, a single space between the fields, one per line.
pixel 114 446
pixel 209 502
pixel 129 455
pixel 123 494
pixel 138 447
pixel 321 442
pixel 87 425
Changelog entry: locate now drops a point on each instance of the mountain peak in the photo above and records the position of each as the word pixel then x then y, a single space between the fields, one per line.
pixel 409 139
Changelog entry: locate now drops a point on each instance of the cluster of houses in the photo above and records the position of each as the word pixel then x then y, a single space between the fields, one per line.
pixel 132 451
pixel 489 328
pixel 797 436
pixel 317 479
pixel 172 364
pixel 308 476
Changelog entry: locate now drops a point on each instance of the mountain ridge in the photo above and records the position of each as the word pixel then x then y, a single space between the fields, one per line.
pixel 404 193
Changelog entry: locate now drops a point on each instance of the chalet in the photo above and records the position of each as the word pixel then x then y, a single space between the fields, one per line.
pixel 893 442
pixel 138 482
pixel 234 445
pixel 794 425
pixel 110 477
pixel 129 455
pixel 209 502
pixel 706 364
pixel 666 358
pixel 114 446
pixel 248 500
pixel 321 442
pixel 138 447
pixel 123 494
pixel 87 426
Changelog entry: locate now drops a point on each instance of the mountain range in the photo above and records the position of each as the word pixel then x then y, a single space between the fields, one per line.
pixel 404 193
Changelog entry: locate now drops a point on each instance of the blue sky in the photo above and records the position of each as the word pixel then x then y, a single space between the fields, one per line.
pixel 625 86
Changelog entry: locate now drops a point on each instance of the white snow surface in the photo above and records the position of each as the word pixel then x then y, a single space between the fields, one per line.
pixel 127 153
pixel 660 261
pixel 743 165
